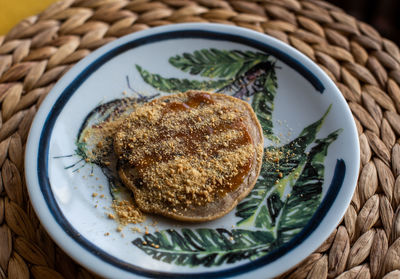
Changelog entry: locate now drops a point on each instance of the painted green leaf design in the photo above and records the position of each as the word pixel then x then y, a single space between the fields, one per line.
pixel 263 103
pixel 81 149
pixel 269 182
pixel 260 82
pixel 263 219
pixel 294 151
pixel 305 196
pixel 206 247
pixel 274 205
pixel 251 82
pixel 174 85
pixel 215 63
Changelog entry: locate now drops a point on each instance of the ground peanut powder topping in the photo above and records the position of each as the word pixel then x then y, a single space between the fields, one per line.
pixel 184 151
pixel 127 213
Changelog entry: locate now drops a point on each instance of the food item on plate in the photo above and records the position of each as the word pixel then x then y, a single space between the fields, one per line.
pixel 190 156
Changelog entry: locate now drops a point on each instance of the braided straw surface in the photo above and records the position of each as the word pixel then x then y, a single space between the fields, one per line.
pixel 365 67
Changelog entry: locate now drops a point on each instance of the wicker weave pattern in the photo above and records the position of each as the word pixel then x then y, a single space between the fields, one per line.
pixel 365 66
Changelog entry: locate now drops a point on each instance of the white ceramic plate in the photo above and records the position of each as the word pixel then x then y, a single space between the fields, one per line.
pixel 286 216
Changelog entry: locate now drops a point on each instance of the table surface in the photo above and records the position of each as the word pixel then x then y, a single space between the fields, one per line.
pixel 366 68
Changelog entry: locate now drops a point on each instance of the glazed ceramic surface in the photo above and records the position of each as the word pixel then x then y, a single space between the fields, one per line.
pixel 307 179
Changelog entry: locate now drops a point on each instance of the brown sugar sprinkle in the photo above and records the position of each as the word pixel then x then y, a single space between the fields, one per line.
pixel 154 223
pixel 273 155
pixel 110 216
pixel 215 143
pixel 127 212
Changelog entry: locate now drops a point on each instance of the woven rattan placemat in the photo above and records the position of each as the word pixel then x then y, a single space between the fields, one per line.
pixel 365 66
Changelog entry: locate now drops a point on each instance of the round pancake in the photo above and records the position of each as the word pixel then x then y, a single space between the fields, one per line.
pixel 190 156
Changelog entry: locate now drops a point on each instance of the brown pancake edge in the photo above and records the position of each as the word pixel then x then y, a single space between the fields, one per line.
pixel 223 206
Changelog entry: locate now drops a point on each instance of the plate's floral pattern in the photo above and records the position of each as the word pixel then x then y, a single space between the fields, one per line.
pixel 288 190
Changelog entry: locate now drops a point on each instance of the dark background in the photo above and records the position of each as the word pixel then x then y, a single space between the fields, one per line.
pixel 384 15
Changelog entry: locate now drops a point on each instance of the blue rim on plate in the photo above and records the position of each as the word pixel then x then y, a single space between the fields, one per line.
pixel 51 118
